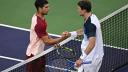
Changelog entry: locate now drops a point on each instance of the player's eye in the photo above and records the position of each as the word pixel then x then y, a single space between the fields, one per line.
pixel 46 7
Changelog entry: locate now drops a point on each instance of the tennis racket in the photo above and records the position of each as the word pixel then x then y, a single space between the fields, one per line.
pixel 66 53
pixel 63 65
pixel 57 65
pixel 73 65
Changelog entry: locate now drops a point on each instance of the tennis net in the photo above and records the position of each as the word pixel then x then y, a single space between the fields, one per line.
pixel 115 38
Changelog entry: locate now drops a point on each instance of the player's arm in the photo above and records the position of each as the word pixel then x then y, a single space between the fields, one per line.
pixel 91 35
pixel 91 45
pixel 52 41
pixel 43 35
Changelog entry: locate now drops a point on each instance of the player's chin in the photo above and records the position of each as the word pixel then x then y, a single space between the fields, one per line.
pixel 80 14
pixel 45 13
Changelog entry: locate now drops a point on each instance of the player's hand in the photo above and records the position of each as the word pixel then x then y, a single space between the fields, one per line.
pixel 65 35
pixel 57 46
pixel 78 63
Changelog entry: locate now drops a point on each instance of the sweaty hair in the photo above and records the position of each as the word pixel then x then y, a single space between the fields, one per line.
pixel 40 3
pixel 85 4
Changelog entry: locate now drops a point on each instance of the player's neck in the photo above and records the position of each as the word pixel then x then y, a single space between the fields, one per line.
pixel 40 15
pixel 87 15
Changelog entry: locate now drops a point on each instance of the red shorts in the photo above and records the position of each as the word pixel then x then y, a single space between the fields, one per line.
pixel 37 65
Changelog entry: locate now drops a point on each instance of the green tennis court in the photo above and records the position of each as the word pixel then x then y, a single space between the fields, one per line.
pixel 63 13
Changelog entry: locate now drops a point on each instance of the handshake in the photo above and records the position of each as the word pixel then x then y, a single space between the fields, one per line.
pixel 65 35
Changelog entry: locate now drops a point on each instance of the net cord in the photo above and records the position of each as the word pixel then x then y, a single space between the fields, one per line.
pixel 114 13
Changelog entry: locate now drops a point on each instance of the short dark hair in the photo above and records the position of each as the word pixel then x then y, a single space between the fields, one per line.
pixel 40 3
pixel 85 4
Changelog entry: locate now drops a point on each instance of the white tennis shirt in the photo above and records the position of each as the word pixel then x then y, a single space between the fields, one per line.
pixel 92 28
pixel 38 29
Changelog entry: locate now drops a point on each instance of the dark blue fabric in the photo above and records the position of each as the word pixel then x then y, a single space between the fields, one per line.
pixel 89 28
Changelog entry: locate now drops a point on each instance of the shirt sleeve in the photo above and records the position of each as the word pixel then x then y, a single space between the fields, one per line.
pixel 90 30
pixel 40 30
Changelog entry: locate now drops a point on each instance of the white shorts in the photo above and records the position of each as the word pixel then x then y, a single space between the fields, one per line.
pixel 93 67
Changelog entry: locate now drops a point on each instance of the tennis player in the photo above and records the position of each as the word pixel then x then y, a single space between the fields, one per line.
pixel 92 44
pixel 39 37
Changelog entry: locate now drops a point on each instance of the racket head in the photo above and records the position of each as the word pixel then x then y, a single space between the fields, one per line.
pixel 61 65
pixel 67 53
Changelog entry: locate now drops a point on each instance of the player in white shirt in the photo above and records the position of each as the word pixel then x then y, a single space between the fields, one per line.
pixel 92 43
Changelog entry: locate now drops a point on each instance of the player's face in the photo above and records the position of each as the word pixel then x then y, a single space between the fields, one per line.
pixel 81 12
pixel 45 9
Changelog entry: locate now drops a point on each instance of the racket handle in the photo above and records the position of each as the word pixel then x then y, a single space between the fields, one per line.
pixel 87 62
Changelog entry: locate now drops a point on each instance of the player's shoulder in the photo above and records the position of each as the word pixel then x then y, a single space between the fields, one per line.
pixel 34 16
pixel 36 19
pixel 94 20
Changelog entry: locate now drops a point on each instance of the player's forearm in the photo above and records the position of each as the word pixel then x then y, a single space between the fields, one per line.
pixel 89 48
pixel 51 41
pixel 91 45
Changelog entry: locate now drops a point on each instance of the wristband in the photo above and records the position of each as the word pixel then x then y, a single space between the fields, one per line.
pixel 73 34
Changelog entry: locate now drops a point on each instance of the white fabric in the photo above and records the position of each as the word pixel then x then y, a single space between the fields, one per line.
pixel 97 53
pixel 36 45
pixel 83 56
pixel 73 34
pixel 93 67
pixel 98 49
